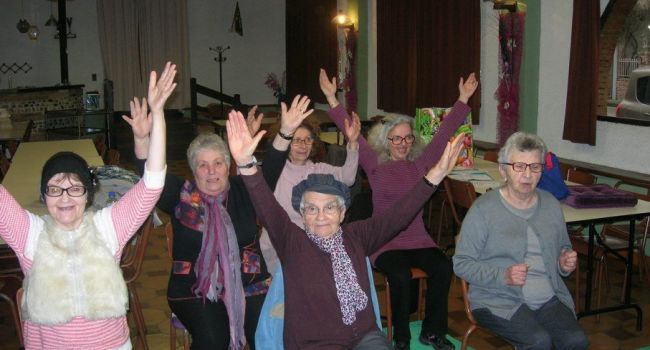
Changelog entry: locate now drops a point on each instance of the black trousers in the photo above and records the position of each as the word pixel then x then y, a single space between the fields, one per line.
pixel 208 323
pixel 396 264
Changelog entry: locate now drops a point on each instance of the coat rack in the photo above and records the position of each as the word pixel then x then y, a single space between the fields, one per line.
pixel 220 59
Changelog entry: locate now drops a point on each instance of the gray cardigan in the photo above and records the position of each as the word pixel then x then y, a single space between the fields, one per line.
pixel 492 239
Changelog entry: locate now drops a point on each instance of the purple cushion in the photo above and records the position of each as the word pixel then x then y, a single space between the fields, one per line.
pixel 599 196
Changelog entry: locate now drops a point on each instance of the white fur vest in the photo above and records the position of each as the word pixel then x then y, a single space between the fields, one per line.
pixel 73 274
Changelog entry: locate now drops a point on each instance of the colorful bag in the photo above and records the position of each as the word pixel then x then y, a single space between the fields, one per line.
pixel 427 123
pixel 552 179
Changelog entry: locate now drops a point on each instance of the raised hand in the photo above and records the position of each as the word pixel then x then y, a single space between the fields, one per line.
pixel 140 119
pixel 161 89
pixel 466 88
pixel 292 117
pixel 254 123
pixel 328 87
pixel 568 260
pixel 241 143
pixel 448 160
pixel 352 128
pixel 516 274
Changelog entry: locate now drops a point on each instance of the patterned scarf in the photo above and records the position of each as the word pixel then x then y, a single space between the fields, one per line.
pixel 218 266
pixel 351 297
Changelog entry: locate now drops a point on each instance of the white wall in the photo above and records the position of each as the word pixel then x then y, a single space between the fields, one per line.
pixel 260 51
pixel 617 145
pixel 43 54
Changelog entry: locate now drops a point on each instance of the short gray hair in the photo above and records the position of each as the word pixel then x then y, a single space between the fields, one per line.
pixel 522 142
pixel 378 137
pixel 339 200
pixel 209 141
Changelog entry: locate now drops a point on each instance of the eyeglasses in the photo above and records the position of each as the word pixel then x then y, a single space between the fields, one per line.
pixel 73 191
pixel 397 140
pixel 307 141
pixel 329 209
pixel 520 167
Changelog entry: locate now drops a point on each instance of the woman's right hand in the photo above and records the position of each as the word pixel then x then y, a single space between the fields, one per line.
pixel 328 87
pixel 241 143
pixel 140 120
pixel 293 117
pixel 516 274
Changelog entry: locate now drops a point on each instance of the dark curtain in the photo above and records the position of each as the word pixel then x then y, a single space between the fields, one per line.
pixel 311 45
pixel 423 47
pixel 582 89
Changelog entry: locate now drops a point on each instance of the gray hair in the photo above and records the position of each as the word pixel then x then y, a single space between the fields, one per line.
pixel 522 142
pixel 209 141
pixel 378 137
pixel 339 200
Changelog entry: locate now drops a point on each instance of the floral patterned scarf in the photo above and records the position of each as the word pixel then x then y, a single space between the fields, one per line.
pixel 352 298
pixel 218 266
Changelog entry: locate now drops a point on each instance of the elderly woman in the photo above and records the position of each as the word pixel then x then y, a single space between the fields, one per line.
pixel 299 165
pixel 323 263
pixel 218 280
pixel 394 163
pixel 74 289
pixel 514 250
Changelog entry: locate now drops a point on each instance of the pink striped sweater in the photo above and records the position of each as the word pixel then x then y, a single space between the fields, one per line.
pixel 21 229
pixel 392 179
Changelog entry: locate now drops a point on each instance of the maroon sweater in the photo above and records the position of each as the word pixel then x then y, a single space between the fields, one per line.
pixel 312 317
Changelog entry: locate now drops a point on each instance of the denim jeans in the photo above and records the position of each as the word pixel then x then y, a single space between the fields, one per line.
pixel 554 324
pixel 396 264
pixel 375 340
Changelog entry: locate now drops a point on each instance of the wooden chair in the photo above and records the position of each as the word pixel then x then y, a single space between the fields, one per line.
pixel 580 177
pixel 468 313
pixel 416 274
pixel 491 156
pixel 174 323
pixel 131 264
pixel 9 286
pixel 112 157
pixel 100 144
pixel 5 164
pixel 564 169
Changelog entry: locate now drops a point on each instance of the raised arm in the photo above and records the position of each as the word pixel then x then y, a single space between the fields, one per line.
pixel 291 119
pixel 450 124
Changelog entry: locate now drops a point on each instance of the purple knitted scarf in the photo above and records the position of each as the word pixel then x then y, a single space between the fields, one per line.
pixel 218 266
pixel 351 297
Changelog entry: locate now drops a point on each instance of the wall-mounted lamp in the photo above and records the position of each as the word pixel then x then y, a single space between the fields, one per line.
pixel 342 20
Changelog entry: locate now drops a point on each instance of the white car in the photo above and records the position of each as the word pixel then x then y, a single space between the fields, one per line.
pixel 636 103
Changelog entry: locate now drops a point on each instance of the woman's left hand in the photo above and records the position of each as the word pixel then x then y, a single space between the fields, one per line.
pixel 161 89
pixel 293 116
pixel 448 160
pixel 568 260
pixel 241 143
pixel 254 123
pixel 466 88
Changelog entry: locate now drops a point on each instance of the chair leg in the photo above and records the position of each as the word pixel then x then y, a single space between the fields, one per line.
pixel 136 309
pixel 468 332
pixel 186 340
pixel 389 311
pixel 577 288
pixel 172 334
pixel 421 286
pixel 14 314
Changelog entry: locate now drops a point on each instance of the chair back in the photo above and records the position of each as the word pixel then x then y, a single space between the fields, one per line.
pixel 133 254
pixel 459 194
pixel 112 157
pixel 169 234
pixel 4 165
pixel 19 303
pixel 100 144
pixel 491 156
pixel 580 177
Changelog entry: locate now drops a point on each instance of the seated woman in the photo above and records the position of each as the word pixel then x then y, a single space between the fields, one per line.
pixel 75 295
pixel 324 264
pixel 394 162
pixel 299 165
pixel 218 280
pixel 514 250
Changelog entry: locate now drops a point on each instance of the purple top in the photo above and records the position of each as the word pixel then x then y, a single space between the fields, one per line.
pixel 391 180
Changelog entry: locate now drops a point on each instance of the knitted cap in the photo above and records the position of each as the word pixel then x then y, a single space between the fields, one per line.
pixel 321 183
pixel 69 163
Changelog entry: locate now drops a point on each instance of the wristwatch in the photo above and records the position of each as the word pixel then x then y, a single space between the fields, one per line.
pixel 248 165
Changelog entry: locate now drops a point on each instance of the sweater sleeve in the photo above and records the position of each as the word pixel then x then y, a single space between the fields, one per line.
pixel 367 156
pixel 14 222
pixel 469 248
pixel 434 150
pixel 381 228
pixel 271 215
pixel 132 209
pixel 273 165
pixel 346 173
pixel 169 197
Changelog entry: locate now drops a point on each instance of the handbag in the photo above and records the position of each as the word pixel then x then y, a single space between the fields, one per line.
pixel 552 179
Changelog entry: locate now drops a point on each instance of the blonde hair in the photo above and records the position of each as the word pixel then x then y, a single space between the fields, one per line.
pixel 378 137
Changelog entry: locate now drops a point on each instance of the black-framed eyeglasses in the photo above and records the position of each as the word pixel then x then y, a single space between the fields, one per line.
pixel 329 209
pixel 520 167
pixel 72 191
pixel 307 141
pixel 397 140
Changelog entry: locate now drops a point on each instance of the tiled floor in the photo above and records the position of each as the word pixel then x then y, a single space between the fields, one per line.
pixel 613 331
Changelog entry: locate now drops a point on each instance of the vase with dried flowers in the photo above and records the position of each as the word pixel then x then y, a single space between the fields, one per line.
pixel 278 86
